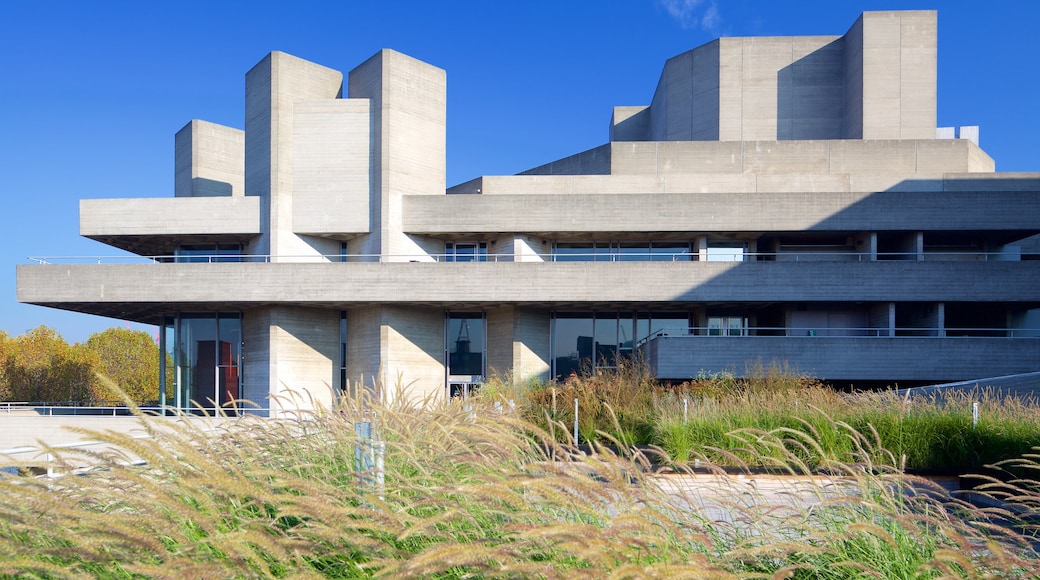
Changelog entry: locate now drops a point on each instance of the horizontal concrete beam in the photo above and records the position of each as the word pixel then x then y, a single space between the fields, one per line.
pixel 142 292
pixel 723 212
pixel 165 216
pixel 846 358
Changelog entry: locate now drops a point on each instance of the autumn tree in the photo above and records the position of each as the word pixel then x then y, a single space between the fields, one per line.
pixel 41 366
pixel 6 349
pixel 130 360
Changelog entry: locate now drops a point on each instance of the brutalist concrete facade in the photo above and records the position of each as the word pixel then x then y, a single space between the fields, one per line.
pixel 779 201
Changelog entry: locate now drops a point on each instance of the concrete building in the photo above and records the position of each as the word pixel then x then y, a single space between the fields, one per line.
pixel 780 200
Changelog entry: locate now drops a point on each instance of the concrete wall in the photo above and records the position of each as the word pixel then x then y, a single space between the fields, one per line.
pixel 592 162
pixel 364 348
pixel 209 161
pixel 744 166
pixel 397 350
pixel 112 218
pixel 412 340
pixel 518 343
pixel 332 163
pixel 520 249
pixel 408 118
pixel 876 82
pixel 835 211
pixel 890 75
pixel 630 124
pixel 273 87
pixel 686 104
pixel 290 357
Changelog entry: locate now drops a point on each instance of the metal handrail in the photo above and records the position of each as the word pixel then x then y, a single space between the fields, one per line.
pixel 534 257
pixel 844 332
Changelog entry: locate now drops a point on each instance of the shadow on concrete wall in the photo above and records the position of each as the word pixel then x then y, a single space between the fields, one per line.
pixel 810 99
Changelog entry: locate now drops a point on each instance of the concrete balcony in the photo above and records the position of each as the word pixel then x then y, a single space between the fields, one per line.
pixel 845 358
pixel 145 291
pixel 155 226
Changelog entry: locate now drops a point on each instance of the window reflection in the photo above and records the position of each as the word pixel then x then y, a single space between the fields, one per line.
pixel 584 341
pixel 206 354
pixel 466 344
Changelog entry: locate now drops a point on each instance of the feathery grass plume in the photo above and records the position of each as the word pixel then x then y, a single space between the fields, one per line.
pixel 476 489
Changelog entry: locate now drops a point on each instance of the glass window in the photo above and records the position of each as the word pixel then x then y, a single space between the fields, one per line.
pixel 466 344
pixel 671 252
pixel 633 251
pixel 192 253
pixel 606 335
pixel 465 252
pixel 725 326
pixel 572 343
pixel 207 352
pixel 574 252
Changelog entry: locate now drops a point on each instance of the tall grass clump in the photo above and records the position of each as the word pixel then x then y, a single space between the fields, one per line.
pixel 473 489
pixel 627 407
pixel 618 403
pixel 467 491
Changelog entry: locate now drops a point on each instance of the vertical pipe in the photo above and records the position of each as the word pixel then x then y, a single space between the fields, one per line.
pixel 686 410
pixel 974 414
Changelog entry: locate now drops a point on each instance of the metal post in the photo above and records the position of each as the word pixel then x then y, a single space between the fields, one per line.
pixel 364 462
pixel 686 410
pixel 974 414
pixel 575 421
pixel 369 456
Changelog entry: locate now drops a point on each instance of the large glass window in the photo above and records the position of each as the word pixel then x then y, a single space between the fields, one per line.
pixel 585 341
pixel 572 340
pixel 207 357
pixel 466 341
pixel 606 339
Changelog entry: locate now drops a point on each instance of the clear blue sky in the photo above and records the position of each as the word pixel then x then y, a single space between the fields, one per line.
pixel 91 93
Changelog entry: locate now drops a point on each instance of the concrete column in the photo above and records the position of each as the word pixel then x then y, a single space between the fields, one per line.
pixel 866 243
pixel 397 351
pixel 290 357
pixel 891 318
pixel 702 248
pixel 919 246
pixel 518 343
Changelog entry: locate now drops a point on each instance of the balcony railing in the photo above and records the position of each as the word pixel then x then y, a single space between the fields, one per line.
pixel 839 332
pixel 541 258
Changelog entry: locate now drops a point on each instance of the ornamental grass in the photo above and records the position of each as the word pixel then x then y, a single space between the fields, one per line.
pixel 473 489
